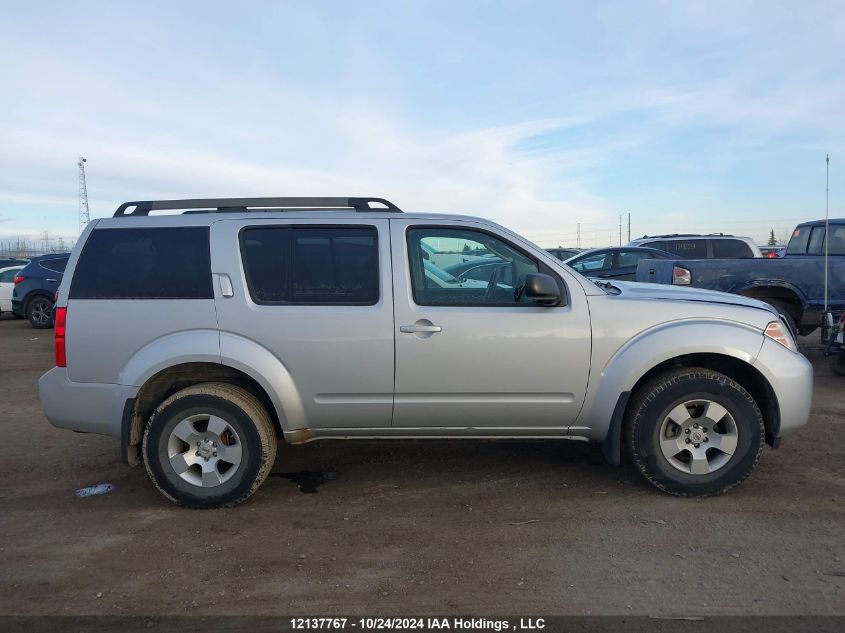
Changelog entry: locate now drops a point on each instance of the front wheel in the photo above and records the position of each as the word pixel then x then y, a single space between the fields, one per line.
pixel 694 432
pixel 39 311
pixel 209 445
pixel 837 364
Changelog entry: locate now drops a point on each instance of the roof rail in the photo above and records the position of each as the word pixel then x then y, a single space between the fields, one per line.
pixel 241 205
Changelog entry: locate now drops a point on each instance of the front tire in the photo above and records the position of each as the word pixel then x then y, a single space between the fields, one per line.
pixel 39 311
pixel 694 432
pixel 209 446
pixel 837 364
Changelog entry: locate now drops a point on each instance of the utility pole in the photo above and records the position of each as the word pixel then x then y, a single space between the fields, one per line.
pixel 578 238
pixel 620 229
pixel 84 216
pixel 629 226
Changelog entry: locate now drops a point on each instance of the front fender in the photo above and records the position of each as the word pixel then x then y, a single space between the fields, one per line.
pixel 620 370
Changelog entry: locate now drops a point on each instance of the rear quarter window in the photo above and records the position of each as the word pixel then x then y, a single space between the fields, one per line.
pixel 731 248
pixel 153 263
pixel 56 265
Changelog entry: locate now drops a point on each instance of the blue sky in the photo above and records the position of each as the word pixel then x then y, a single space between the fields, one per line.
pixel 693 117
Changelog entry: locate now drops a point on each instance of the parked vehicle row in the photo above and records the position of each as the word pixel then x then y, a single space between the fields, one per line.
pixel 794 283
pixel 7 284
pixel 331 318
pixel 35 287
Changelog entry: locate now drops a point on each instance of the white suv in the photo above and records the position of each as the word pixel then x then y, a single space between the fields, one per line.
pixel 694 246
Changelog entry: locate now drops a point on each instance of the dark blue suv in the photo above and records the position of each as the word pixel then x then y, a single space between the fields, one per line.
pixel 35 289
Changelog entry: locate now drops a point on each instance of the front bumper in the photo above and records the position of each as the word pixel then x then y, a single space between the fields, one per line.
pixel 791 377
pixel 83 406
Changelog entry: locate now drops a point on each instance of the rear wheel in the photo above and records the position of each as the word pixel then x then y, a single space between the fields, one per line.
pixel 209 445
pixel 39 311
pixel 694 432
pixel 837 364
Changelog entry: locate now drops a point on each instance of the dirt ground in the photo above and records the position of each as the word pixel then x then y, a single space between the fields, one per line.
pixel 412 527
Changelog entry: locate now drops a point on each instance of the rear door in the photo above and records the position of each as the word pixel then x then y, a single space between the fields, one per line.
pixel 316 294
pixel 468 354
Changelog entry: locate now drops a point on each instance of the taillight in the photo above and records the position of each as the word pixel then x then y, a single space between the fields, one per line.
pixel 59 320
pixel 19 278
pixel 772 255
pixel 681 276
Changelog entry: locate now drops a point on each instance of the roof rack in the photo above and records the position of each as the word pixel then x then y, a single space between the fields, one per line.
pixel 242 205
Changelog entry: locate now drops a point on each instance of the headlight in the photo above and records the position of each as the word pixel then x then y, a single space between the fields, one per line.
pixel 777 331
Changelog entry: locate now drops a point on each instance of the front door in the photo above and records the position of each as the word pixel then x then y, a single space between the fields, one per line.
pixel 469 353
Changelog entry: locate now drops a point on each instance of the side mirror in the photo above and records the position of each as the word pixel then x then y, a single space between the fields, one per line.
pixel 542 288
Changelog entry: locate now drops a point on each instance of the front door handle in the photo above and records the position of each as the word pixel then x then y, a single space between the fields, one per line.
pixel 420 329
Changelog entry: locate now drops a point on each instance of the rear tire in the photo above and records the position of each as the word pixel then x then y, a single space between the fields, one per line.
pixel 694 432
pixel 209 446
pixel 39 311
pixel 837 364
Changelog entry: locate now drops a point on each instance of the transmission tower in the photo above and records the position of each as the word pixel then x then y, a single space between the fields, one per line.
pixel 84 217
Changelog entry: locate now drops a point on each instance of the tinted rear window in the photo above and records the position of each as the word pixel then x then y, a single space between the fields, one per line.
pixel 56 265
pixel 311 265
pixel 731 248
pixel 154 263
pixel 798 242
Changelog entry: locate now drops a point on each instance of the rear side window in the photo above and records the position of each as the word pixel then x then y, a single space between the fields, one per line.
pixel 154 263
pixel 311 265
pixel 56 265
pixel 798 242
pixel 731 248
pixel 689 249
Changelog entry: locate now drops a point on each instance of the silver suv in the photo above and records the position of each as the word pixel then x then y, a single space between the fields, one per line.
pixel 200 340
pixel 694 246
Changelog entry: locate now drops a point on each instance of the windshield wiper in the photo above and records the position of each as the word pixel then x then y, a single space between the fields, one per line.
pixel 607 286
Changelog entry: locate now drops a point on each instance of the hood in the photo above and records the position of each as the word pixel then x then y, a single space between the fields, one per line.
pixel 658 292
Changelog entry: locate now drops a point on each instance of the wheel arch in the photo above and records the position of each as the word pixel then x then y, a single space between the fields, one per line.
pixel 740 371
pixel 172 379
pixel 777 290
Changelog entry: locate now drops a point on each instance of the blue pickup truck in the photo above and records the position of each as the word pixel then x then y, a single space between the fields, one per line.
pixel 794 283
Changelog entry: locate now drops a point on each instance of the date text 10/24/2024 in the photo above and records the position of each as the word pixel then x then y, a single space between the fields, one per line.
pixel 417 624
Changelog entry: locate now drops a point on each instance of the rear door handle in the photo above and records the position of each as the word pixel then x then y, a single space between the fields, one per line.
pixel 420 329
pixel 53 280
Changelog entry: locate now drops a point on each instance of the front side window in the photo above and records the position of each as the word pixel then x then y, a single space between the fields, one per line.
pixel 728 248
pixel 311 265
pixel 431 250
pixel 631 258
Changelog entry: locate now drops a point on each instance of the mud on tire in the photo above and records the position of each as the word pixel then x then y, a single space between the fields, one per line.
pixel 209 445
pixel 681 450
